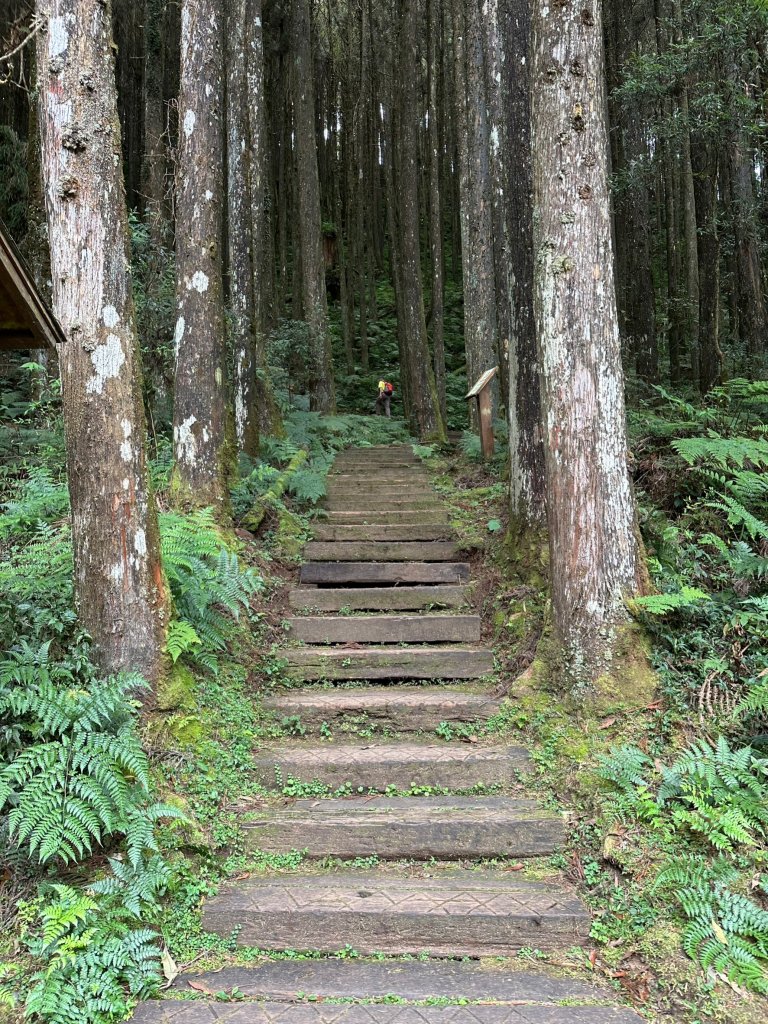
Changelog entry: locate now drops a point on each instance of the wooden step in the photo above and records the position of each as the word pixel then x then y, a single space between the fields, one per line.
pixel 381 503
pixel 377 766
pixel 384 531
pixel 336 573
pixel 208 1011
pixel 378 598
pixel 400 708
pixel 310 663
pixel 384 516
pixel 378 481
pixel 407 981
pixel 382 551
pixel 407 828
pixel 472 916
pixel 374 476
pixel 386 629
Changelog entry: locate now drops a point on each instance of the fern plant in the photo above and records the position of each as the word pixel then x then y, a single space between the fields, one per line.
pixel 210 588
pixel 726 931
pixel 72 771
pixel 95 962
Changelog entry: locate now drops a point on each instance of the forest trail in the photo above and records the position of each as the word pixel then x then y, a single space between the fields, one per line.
pixel 411 671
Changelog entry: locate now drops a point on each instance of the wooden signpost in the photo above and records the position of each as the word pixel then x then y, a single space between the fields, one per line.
pixel 481 393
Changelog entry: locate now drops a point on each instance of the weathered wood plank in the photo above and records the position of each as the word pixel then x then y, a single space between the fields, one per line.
pixel 416 981
pixel 402 516
pixel 388 662
pixel 375 767
pixel 446 828
pixel 384 572
pixel 381 503
pixel 384 531
pixel 474 916
pixel 405 709
pixel 386 629
pixel 378 598
pixel 382 551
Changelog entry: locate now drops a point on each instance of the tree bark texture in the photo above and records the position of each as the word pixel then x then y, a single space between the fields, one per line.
pixel 312 265
pixel 527 483
pixel 434 23
pixel 121 594
pixel 240 238
pixel 593 551
pixel 478 273
pixel 705 167
pixel 262 405
pixel 200 404
pixel 424 406
pixel 153 177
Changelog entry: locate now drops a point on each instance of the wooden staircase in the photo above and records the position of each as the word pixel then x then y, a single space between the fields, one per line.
pixel 384 600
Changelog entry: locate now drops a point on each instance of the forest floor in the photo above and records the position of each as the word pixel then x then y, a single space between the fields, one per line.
pixel 666 804
pixel 635 938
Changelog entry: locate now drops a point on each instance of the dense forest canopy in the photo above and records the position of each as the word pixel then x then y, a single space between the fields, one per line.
pixel 246 217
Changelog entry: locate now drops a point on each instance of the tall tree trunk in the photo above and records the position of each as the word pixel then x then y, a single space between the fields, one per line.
pixel 203 454
pixel 240 228
pixel 492 14
pixel 527 478
pixel 154 157
pixel 705 161
pixel 691 309
pixel 478 273
pixel 262 405
pixel 434 25
pixel 121 594
pixel 322 389
pixel 752 314
pixel 424 406
pixel 593 550
pixel 129 49
pixel 635 286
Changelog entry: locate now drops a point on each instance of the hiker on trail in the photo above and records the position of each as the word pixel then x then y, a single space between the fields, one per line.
pixel 384 400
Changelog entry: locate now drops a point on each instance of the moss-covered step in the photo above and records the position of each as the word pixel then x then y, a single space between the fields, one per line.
pixel 399 708
pixel 471 915
pixel 412 828
pixel 382 551
pixel 376 766
pixel 408 981
pixel 386 629
pixel 310 663
pixel 207 1011
pixel 383 516
pixel 384 531
pixel 335 573
pixel 378 598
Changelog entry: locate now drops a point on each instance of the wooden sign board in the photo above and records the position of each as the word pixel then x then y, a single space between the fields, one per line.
pixel 481 393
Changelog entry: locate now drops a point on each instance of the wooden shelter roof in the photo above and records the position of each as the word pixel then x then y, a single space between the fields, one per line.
pixel 25 320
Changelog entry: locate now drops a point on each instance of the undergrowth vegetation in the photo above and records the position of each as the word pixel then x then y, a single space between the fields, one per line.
pixel 77 787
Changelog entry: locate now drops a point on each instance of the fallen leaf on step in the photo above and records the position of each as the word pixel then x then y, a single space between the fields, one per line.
pixel 170 967
pixel 200 986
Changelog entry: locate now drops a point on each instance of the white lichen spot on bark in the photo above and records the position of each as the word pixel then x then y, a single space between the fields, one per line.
pixel 185 441
pixel 200 281
pixel 189 122
pixel 178 334
pixel 140 543
pixel 110 316
pixel 107 361
pixel 58 36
